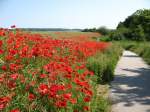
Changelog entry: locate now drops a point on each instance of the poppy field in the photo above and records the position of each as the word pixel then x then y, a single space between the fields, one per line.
pixel 39 73
pixel 75 36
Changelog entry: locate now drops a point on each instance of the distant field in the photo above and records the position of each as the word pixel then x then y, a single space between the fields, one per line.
pixel 77 36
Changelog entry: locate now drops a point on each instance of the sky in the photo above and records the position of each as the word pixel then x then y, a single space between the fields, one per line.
pixel 67 13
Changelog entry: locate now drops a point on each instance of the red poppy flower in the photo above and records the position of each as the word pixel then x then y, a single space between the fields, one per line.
pixel 31 96
pixel 4 67
pixel 1 51
pixel 15 110
pixel 86 108
pixel 4 99
pixel 43 76
pixel 61 104
pixel 67 96
pixel 11 84
pixel 73 100
pixel 75 111
pixel 1 79
pixel 14 76
pixel 43 89
pixel 1 43
pixel 87 99
pixel 2 106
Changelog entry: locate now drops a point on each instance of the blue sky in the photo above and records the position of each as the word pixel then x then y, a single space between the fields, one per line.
pixel 67 13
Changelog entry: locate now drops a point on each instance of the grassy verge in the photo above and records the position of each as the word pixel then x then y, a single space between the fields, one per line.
pixel 141 48
pixel 100 101
pixel 103 63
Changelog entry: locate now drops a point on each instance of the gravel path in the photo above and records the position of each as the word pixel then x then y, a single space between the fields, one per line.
pixel 130 90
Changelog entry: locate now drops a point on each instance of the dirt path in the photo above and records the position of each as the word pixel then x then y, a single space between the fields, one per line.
pixel 130 91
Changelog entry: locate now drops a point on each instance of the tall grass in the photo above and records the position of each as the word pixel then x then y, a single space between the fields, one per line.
pixel 103 63
pixel 141 48
pixel 100 101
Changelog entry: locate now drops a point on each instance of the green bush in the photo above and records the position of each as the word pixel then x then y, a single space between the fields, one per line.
pixel 104 38
pixel 102 30
pixel 117 35
pixel 103 64
pixel 127 44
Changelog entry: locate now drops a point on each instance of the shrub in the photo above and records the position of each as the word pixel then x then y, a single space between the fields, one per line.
pixel 105 38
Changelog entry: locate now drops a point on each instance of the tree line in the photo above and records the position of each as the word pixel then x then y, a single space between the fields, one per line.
pixel 134 27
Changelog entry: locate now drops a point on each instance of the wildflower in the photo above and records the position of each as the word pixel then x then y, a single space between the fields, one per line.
pixel 87 99
pixel 14 76
pixel 61 104
pixel 67 96
pixel 11 84
pixel 2 106
pixel 4 67
pixel 31 96
pixel 73 100
pixel 1 51
pixel 43 89
pixel 4 99
pixel 13 67
pixel 86 108
pixel 15 110
pixel 43 76
pixel 1 79
pixel 1 43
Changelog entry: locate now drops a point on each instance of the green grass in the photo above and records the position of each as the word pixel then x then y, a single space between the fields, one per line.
pixel 141 48
pixel 104 63
pixel 100 101
pixel 102 105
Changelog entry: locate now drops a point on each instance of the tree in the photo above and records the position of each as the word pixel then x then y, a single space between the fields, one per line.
pixel 103 30
pixel 136 26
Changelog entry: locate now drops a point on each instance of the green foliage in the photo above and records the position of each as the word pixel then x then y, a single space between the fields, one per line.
pixel 117 35
pixel 103 64
pixel 104 38
pixel 102 30
pixel 100 101
pixel 89 30
pixel 141 48
pixel 135 27
pixel 102 105
pixel 127 45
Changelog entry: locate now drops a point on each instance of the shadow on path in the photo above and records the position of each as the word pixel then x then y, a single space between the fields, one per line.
pixel 136 88
pixel 130 90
